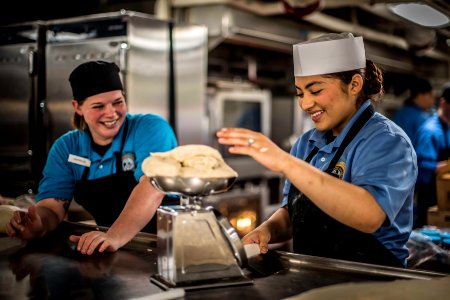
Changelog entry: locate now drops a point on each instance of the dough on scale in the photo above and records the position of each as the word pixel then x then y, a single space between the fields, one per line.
pixel 188 161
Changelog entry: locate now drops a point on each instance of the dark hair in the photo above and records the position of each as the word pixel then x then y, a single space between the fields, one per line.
pixel 78 121
pixel 419 86
pixel 373 82
pixel 446 93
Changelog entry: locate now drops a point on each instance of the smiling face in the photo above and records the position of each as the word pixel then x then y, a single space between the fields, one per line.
pixel 104 114
pixel 327 100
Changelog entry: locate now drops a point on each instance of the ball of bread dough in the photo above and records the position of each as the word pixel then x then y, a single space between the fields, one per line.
pixel 6 213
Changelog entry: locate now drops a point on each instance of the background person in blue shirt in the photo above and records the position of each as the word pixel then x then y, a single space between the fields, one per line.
pixel 432 144
pixel 350 180
pixel 99 165
pixel 418 107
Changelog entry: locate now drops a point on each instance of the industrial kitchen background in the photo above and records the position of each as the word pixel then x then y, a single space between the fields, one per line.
pixel 199 64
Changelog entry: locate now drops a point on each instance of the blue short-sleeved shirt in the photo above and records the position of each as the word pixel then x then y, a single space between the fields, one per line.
pixel 410 117
pixel 146 133
pixel 429 142
pixel 380 159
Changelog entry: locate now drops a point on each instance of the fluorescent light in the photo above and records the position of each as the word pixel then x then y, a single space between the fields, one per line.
pixel 421 14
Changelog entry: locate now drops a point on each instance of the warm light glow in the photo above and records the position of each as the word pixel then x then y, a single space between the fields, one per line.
pixel 420 14
pixel 244 222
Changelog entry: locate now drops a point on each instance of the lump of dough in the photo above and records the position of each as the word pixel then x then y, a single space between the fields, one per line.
pixel 153 165
pixel 188 161
pixel 6 213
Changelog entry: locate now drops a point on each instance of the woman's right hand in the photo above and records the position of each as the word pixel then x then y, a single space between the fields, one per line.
pixel 261 236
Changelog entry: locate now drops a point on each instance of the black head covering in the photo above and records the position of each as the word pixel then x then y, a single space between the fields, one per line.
pixel 94 77
pixel 446 93
pixel 420 86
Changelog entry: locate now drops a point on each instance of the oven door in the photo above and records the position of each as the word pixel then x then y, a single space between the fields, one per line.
pixel 242 208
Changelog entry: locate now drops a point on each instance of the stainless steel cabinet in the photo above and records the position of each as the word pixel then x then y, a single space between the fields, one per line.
pixel 21 91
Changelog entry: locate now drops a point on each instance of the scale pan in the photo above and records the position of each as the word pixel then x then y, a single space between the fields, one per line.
pixel 192 186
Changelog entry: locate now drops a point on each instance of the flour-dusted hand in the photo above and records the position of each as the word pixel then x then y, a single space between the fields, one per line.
pixel 256 145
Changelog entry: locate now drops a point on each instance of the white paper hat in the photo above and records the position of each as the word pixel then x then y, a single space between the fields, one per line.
pixel 329 53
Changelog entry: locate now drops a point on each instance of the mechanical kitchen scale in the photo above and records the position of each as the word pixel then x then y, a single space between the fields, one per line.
pixel 197 246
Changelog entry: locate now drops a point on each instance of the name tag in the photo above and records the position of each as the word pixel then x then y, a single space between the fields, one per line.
pixel 79 160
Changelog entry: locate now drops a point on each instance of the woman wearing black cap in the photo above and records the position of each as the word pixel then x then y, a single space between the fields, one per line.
pixel 99 165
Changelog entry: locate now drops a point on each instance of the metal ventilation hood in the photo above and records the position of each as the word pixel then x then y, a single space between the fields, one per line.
pixel 266 26
pixel 227 23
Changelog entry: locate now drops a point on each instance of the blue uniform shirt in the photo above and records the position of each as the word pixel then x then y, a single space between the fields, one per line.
pixel 429 142
pixel 410 117
pixel 146 133
pixel 380 159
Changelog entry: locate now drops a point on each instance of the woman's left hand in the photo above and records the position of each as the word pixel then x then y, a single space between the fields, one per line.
pixel 90 241
pixel 254 144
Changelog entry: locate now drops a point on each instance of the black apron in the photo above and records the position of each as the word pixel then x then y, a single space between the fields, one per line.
pixel 427 193
pixel 316 233
pixel 104 198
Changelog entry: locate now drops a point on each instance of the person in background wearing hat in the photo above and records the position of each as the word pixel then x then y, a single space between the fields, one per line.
pixel 417 108
pixel 350 180
pixel 99 165
pixel 432 144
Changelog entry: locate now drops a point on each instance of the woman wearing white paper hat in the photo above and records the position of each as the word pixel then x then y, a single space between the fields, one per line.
pixel 350 181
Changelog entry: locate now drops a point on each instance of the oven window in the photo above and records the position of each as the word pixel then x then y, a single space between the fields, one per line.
pixel 245 114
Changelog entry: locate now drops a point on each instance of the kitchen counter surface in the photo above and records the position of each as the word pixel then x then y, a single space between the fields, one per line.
pixel 51 268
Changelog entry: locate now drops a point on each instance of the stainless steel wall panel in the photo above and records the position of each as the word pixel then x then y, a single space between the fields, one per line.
pixel 191 63
pixel 147 70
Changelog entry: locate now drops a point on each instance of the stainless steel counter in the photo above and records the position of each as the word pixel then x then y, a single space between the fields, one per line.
pixel 51 268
